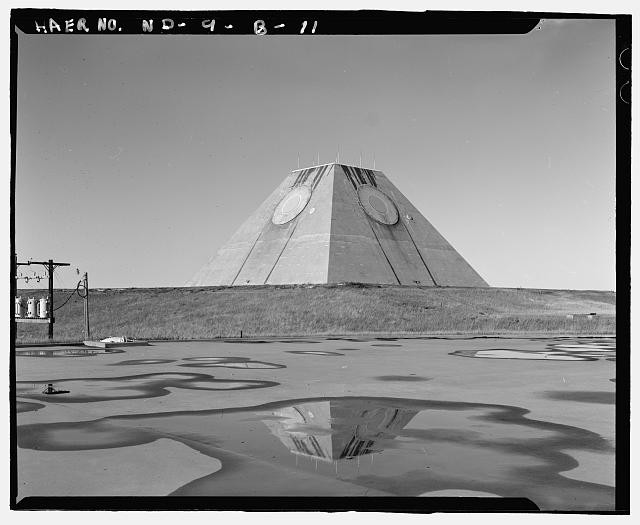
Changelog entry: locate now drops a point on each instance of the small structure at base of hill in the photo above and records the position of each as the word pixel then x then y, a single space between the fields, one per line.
pixel 335 223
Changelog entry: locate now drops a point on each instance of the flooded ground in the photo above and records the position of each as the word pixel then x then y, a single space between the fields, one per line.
pixel 527 418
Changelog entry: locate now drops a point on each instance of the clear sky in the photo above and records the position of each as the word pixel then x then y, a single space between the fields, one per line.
pixel 138 156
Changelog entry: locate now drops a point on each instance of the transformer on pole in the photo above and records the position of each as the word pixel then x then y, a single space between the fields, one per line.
pixel 50 267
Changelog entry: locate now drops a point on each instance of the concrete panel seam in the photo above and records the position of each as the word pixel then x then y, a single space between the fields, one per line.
pixel 366 217
pixel 419 254
pixel 248 255
pixel 379 244
pixel 298 218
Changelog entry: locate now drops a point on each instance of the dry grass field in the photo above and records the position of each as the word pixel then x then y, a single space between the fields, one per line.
pixel 211 312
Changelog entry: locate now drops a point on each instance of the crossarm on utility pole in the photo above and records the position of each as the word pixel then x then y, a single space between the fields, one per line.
pixel 50 265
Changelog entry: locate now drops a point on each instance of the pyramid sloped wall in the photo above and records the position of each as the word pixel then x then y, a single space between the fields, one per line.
pixel 296 251
pixel 362 249
pixel 222 269
pixel 355 254
pixel 305 256
pixel 332 239
pixel 445 264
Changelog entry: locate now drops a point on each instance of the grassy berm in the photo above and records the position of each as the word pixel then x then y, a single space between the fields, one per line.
pixel 211 312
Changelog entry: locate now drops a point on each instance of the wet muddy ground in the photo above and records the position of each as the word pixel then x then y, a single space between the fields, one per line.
pixel 340 417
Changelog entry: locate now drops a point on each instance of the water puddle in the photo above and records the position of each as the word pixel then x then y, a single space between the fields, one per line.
pixel 356 446
pixel 313 352
pixel 65 352
pixel 299 341
pixel 410 377
pixel 229 362
pixel 247 341
pixel 579 396
pixel 136 362
pixel 133 387
pixel 563 350
pixel 26 406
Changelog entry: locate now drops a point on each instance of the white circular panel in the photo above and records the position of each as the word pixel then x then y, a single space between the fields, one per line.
pixel 291 205
pixel 377 205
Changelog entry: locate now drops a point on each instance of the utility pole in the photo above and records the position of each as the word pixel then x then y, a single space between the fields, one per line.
pixel 51 321
pixel 50 266
pixel 87 331
pixel 15 270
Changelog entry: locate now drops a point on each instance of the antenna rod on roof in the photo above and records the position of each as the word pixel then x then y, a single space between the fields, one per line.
pixel 298 160
pixel 374 160
pixel 361 158
pixel 318 159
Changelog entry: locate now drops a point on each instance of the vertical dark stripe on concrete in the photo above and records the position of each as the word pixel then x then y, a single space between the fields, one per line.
pixel 417 249
pixel 354 175
pixel 318 177
pixel 283 248
pixel 366 217
pixel 247 257
pixel 379 244
pixel 323 172
pixel 369 177
pixel 348 174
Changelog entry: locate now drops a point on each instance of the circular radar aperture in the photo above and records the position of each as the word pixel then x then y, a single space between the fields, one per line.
pixel 291 205
pixel 377 205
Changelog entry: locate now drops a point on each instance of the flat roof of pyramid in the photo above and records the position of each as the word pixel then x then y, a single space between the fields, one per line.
pixel 333 164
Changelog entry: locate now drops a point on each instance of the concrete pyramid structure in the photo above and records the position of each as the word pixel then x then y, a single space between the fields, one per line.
pixel 335 223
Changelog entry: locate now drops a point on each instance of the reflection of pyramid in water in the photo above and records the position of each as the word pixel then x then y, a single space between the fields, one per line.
pixel 335 223
pixel 337 429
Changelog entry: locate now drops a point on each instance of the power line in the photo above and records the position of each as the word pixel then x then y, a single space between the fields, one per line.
pixel 71 295
pixel 49 267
